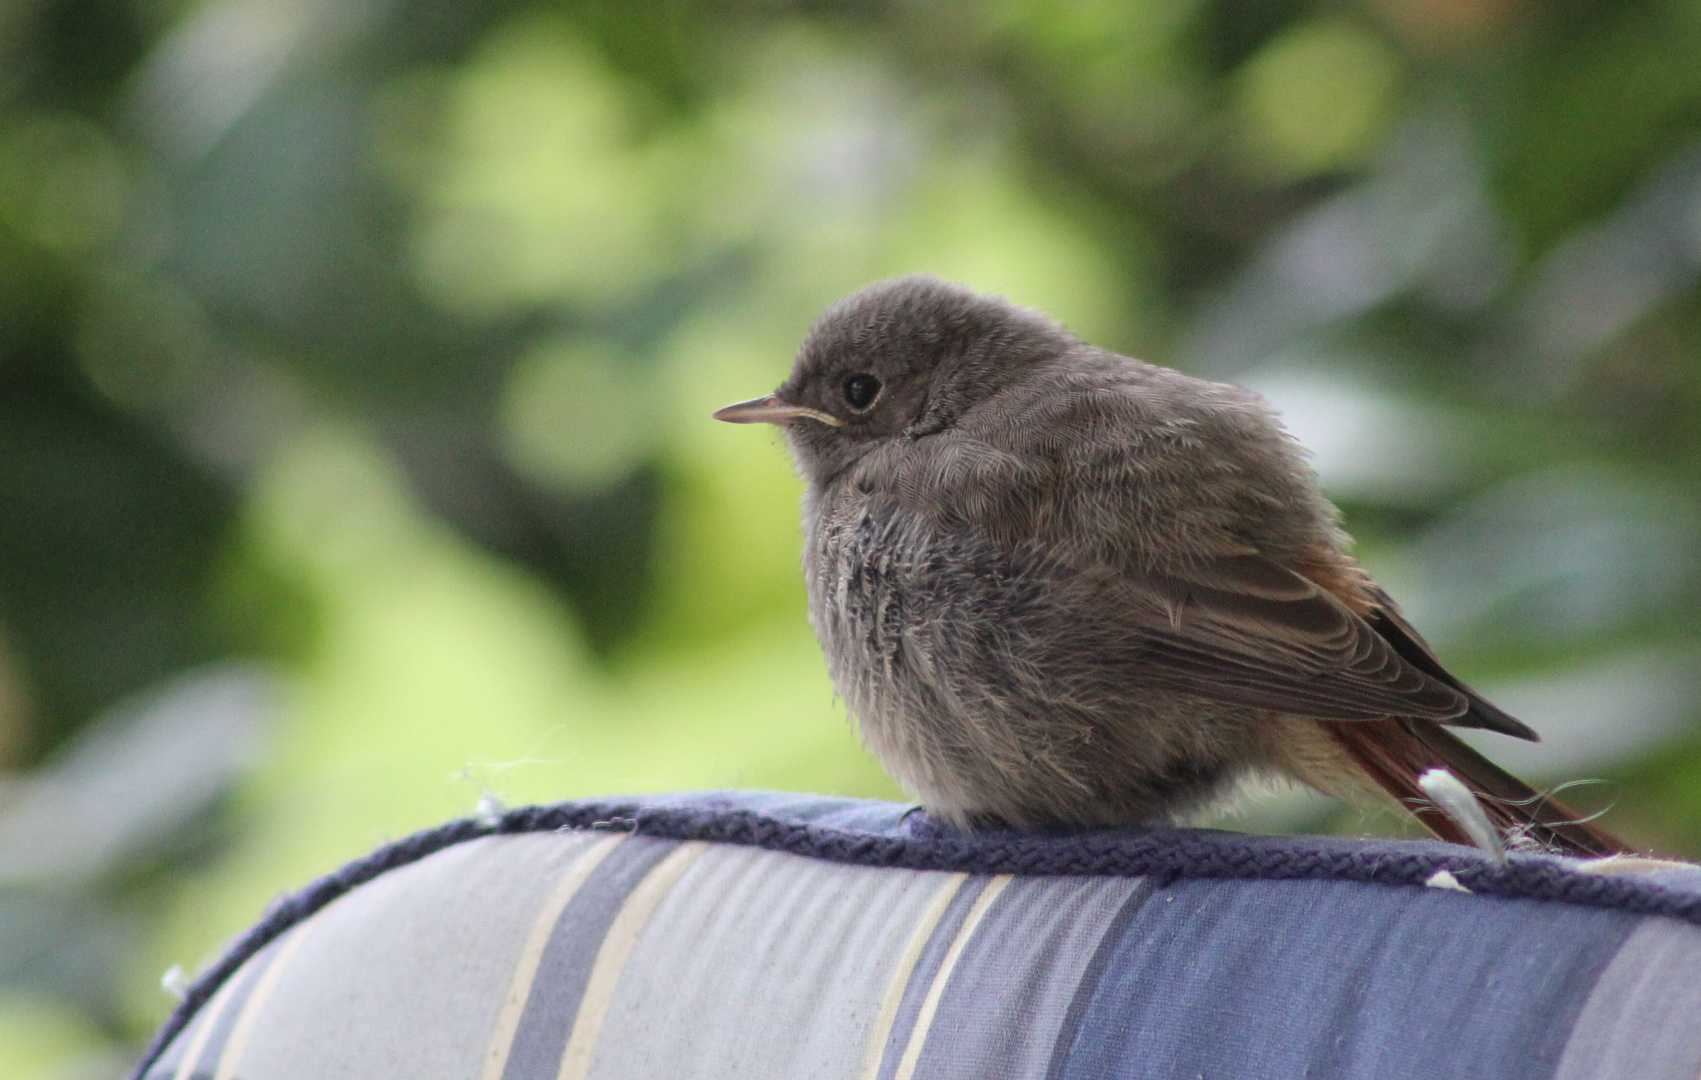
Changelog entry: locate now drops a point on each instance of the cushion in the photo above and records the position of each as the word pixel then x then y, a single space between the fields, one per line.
pixel 766 935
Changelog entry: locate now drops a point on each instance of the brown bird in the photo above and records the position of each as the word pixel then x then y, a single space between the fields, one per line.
pixel 1059 587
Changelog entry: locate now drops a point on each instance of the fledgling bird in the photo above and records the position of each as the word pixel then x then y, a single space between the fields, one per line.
pixel 1061 588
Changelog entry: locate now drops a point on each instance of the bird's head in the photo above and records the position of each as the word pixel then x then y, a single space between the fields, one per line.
pixel 904 358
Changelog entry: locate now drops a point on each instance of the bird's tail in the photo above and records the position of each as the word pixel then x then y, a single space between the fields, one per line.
pixel 1395 753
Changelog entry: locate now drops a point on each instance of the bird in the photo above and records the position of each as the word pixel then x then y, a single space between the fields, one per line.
pixel 1060 588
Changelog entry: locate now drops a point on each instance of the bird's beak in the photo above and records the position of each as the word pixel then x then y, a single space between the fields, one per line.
pixel 771 410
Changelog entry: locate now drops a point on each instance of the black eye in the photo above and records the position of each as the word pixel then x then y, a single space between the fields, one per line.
pixel 861 390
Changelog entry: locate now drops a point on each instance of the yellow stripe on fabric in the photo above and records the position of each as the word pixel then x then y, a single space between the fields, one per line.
pixel 617 946
pixel 919 937
pixel 930 1004
pixel 531 954
pixel 250 1014
pixel 209 1020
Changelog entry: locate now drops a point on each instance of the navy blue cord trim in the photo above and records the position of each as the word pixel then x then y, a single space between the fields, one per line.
pixel 1166 855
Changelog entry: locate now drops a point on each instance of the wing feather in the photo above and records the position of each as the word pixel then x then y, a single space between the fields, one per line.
pixel 1242 628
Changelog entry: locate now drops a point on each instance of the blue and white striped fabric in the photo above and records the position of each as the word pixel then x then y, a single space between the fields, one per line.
pixel 761 936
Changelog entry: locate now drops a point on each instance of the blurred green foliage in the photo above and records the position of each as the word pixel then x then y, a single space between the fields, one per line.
pixel 375 343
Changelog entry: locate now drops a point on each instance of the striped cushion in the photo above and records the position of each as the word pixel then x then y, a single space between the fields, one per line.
pixel 764 936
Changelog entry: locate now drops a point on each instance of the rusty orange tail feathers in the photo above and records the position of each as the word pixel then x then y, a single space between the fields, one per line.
pixel 1394 753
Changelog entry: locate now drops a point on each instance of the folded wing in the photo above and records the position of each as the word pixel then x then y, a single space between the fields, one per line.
pixel 1245 629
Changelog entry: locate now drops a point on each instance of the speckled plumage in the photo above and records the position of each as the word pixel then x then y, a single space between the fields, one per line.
pixel 1059 587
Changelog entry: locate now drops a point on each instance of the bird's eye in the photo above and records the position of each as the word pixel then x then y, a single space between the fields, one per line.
pixel 861 390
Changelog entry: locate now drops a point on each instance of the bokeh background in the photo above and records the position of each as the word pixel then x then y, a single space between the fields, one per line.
pixel 356 359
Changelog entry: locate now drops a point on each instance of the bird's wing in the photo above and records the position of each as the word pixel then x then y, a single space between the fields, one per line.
pixel 1388 621
pixel 1243 628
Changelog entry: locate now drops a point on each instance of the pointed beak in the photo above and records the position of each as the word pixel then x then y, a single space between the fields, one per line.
pixel 771 410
